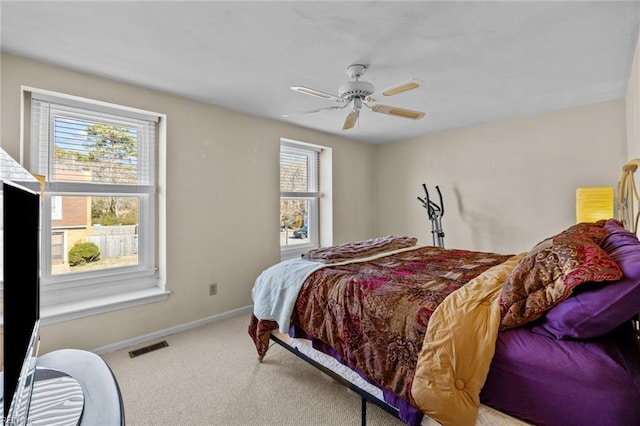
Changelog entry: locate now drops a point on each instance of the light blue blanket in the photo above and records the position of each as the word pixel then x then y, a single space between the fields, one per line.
pixel 276 290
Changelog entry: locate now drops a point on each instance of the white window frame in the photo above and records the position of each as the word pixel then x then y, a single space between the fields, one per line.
pixel 313 220
pixel 56 207
pixel 72 296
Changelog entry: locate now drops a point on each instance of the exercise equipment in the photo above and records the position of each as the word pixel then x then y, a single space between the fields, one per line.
pixel 435 212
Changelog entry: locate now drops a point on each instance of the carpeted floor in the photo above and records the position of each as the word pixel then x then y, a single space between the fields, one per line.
pixel 211 376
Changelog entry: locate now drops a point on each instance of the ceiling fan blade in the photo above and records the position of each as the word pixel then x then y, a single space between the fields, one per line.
pixel 395 89
pixel 398 112
pixel 314 110
pixel 351 120
pixel 317 93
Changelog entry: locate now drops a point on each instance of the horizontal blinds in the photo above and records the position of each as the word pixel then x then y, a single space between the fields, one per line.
pixel 85 146
pixel 298 172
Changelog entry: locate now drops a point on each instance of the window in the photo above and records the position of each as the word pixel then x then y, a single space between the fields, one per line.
pixel 299 197
pixel 99 229
pixel 57 247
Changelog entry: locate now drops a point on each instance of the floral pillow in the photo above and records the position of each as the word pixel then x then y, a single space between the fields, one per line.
pixel 548 274
pixel 595 310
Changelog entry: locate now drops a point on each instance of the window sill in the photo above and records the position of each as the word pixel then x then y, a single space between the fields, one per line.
pixel 290 252
pixel 71 311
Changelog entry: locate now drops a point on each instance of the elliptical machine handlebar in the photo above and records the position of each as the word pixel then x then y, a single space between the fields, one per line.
pixel 441 202
pixel 435 212
pixel 432 208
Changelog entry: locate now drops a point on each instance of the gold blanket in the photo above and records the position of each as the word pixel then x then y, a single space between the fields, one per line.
pixel 458 348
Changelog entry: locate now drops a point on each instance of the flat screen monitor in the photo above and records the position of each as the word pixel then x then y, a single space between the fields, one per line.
pixel 18 413
pixel 20 281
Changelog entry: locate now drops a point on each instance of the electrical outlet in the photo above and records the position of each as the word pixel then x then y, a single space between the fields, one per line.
pixel 213 289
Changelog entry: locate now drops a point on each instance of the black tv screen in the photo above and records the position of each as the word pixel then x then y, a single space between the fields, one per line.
pixel 20 227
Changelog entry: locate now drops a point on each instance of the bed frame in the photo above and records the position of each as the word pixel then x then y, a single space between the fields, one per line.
pixel 364 395
pixel 487 415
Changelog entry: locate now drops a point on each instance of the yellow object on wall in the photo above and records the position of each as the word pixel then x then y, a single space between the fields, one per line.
pixel 594 203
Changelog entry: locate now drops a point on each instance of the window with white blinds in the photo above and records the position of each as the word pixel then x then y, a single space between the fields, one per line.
pixel 99 225
pixel 299 196
pixel 108 148
pixel 298 172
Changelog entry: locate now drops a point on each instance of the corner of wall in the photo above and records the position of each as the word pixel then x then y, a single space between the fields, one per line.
pixel 633 106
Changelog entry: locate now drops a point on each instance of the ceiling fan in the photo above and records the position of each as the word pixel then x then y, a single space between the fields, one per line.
pixel 358 93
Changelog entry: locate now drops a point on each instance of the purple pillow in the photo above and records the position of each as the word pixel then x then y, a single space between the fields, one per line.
pixel 600 307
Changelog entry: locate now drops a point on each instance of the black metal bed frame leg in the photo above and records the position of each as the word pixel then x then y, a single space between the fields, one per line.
pixel 363 412
pixel 364 395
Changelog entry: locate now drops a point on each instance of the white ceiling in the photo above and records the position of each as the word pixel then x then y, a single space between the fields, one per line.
pixel 479 61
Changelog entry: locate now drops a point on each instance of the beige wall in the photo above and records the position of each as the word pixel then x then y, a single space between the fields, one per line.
pixel 633 107
pixel 633 116
pixel 218 161
pixel 506 185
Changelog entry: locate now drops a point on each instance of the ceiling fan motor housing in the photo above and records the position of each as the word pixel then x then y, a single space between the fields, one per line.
pixel 355 89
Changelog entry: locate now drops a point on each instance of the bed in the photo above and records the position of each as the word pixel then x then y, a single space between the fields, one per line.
pixel 460 337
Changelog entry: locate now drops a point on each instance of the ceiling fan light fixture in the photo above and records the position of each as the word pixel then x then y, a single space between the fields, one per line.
pixel 355 89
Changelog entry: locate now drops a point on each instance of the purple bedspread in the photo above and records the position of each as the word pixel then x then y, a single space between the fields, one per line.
pixel 595 382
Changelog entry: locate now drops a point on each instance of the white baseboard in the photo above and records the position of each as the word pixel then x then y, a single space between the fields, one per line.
pixel 171 330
